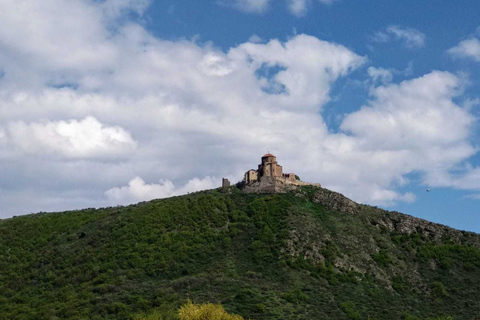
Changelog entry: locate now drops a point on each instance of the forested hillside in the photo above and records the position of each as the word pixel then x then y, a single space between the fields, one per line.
pixel 311 254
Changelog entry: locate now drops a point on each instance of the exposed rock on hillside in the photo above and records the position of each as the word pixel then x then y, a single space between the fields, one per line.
pixel 335 201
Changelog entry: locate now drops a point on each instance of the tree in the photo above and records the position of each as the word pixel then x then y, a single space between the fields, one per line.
pixel 207 311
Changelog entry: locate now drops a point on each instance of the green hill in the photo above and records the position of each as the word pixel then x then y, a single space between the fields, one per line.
pixel 310 254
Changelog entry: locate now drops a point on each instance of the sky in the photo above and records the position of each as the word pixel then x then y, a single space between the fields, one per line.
pixel 112 102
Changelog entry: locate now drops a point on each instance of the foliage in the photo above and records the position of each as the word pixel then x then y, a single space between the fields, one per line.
pixel 349 309
pixel 448 254
pixel 382 258
pixel 295 296
pixel 439 290
pixel 207 311
pixel 190 311
pixel 273 256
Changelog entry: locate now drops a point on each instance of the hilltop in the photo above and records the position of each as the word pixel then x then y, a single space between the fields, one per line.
pixel 309 253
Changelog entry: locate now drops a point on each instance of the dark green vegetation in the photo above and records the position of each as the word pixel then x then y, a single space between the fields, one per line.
pixel 306 255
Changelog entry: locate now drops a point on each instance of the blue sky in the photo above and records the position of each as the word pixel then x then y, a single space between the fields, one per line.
pixel 118 101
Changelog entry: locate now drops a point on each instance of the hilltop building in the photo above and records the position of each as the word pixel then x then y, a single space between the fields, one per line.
pixel 269 178
pixel 269 168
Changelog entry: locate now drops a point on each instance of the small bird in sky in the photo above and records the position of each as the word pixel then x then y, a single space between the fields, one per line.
pixel 428 190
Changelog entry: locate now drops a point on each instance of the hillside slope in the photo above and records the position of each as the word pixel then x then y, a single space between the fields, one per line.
pixel 311 254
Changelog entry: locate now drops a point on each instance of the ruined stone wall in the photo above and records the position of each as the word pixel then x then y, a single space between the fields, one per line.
pixel 251 175
pixel 290 177
pixel 225 183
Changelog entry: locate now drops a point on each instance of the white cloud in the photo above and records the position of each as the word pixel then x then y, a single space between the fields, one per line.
pixel 475 196
pixel 417 112
pixel 117 8
pixel 3 141
pixel 463 178
pixel 87 138
pixel 414 126
pixel 389 197
pixel 255 39
pixel 138 190
pixel 300 7
pixel 380 74
pixel 381 36
pixel 253 6
pixel 411 38
pixel 469 48
pixel 297 7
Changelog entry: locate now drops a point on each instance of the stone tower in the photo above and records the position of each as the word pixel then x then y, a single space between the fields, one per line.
pixel 269 167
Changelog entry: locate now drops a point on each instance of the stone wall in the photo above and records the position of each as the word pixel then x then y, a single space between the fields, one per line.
pixel 274 185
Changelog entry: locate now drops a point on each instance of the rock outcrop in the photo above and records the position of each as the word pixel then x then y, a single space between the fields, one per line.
pixel 335 201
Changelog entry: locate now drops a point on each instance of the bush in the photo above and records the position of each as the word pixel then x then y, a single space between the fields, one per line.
pixel 295 296
pixel 383 259
pixel 439 290
pixel 349 308
pixel 207 311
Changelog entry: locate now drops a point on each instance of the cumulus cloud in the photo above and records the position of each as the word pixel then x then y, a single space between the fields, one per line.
pixel 414 126
pixel 87 138
pixel 469 48
pixel 411 38
pixel 416 112
pixel 138 190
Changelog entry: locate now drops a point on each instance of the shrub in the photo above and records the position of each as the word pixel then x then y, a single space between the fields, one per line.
pixel 349 308
pixel 383 259
pixel 407 316
pixel 439 290
pixel 295 296
pixel 398 284
pixel 152 316
pixel 207 311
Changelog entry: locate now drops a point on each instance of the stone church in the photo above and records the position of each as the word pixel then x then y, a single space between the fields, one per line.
pixel 268 178
pixel 269 168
